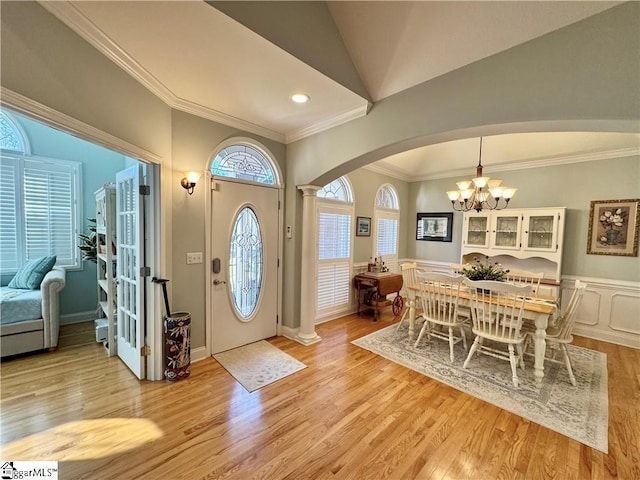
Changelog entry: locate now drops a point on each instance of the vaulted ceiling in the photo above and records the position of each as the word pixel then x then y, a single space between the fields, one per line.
pixel 238 63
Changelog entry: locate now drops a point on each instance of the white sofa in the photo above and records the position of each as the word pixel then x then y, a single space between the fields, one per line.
pixel 21 335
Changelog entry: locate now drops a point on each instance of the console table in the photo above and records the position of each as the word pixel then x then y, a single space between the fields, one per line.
pixel 373 288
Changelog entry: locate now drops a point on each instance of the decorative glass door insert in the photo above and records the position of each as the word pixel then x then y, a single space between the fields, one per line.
pixel 477 231
pixel 507 230
pixel 245 263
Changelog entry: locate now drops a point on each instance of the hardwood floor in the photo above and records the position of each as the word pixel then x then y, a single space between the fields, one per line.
pixel 349 415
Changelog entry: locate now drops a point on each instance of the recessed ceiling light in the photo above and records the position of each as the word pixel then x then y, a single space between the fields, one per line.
pixel 300 97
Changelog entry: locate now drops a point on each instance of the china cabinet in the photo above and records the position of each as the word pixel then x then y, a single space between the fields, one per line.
pixel 106 263
pixel 527 239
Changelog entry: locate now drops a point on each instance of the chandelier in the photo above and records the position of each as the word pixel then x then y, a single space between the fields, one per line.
pixel 471 195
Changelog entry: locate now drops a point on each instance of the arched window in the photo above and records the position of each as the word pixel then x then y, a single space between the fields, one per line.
pixel 335 219
pixel 386 220
pixel 339 189
pixel 244 162
pixel 40 206
pixel 13 139
pixel 387 198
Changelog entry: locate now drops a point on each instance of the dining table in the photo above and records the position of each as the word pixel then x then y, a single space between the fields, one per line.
pixel 537 311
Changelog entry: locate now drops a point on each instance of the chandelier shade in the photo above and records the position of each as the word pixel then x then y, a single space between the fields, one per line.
pixel 480 192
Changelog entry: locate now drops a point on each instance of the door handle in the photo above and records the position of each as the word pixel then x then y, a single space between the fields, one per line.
pixel 218 282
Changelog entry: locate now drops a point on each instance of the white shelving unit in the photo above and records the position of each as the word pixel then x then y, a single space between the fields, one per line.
pixel 527 239
pixel 106 263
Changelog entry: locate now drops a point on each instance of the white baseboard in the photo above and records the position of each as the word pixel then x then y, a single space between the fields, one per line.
pixel 198 354
pixel 289 332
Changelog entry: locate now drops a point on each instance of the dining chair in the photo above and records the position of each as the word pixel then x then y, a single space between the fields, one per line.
pixel 439 295
pixel 523 277
pixel 496 311
pixel 559 331
pixel 456 268
pixel 409 277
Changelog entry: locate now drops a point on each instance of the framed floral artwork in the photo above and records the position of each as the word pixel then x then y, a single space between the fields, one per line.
pixel 613 227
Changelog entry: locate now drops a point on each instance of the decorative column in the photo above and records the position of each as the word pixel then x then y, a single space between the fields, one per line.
pixel 308 275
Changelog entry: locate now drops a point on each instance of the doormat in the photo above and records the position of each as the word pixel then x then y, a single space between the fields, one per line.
pixel 580 413
pixel 258 364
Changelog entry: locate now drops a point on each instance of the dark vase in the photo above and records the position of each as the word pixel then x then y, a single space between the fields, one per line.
pixel 612 237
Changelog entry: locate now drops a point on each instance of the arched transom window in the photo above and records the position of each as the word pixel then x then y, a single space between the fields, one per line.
pixel 11 139
pixel 387 198
pixel 245 163
pixel 339 189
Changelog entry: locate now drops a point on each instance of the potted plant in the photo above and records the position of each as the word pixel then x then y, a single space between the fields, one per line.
pixel 484 270
pixel 88 243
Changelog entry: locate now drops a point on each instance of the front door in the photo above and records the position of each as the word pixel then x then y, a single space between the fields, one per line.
pixel 130 259
pixel 244 248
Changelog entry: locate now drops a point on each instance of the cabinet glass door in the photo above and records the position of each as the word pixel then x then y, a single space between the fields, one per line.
pixel 477 231
pixel 540 232
pixel 506 231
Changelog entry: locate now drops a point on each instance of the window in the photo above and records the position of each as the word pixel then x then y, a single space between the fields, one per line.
pixel 386 219
pixel 39 208
pixel 337 190
pixel 245 163
pixel 335 220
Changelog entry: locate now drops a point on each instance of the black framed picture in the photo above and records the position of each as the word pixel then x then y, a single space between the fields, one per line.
pixel 363 226
pixel 434 227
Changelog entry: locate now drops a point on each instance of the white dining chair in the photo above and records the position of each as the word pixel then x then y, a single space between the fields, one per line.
pixel 496 311
pixel 439 295
pixel 523 277
pixel 409 277
pixel 559 332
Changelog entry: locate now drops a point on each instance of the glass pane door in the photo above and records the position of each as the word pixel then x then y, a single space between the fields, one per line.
pixel 540 232
pixel 477 231
pixel 506 231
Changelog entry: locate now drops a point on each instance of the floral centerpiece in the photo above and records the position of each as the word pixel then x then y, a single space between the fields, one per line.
pixel 484 270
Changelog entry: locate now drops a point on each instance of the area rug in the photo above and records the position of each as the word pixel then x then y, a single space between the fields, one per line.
pixel 580 412
pixel 258 364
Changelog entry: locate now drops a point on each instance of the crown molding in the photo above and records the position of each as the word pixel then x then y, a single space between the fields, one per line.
pixel 341 118
pixel 536 163
pixel 389 172
pixel 78 22
pixel 71 16
pixel 32 109
pixel 229 120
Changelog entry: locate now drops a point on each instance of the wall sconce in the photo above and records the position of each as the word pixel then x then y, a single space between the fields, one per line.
pixel 189 181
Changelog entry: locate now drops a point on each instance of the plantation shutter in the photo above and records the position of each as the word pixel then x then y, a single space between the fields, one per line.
pixel 334 252
pixel 48 206
pixel 387 240
pixel 9 254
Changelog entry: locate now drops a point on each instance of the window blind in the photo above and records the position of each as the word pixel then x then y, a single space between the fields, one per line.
pixel 387 240
pixel 334 261
pixel 8 214
pixel 39 212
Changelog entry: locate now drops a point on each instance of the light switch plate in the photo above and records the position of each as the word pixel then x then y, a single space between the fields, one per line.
pixel 194 257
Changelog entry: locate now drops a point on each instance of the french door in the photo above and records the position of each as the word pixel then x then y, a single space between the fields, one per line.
pixel 130 260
